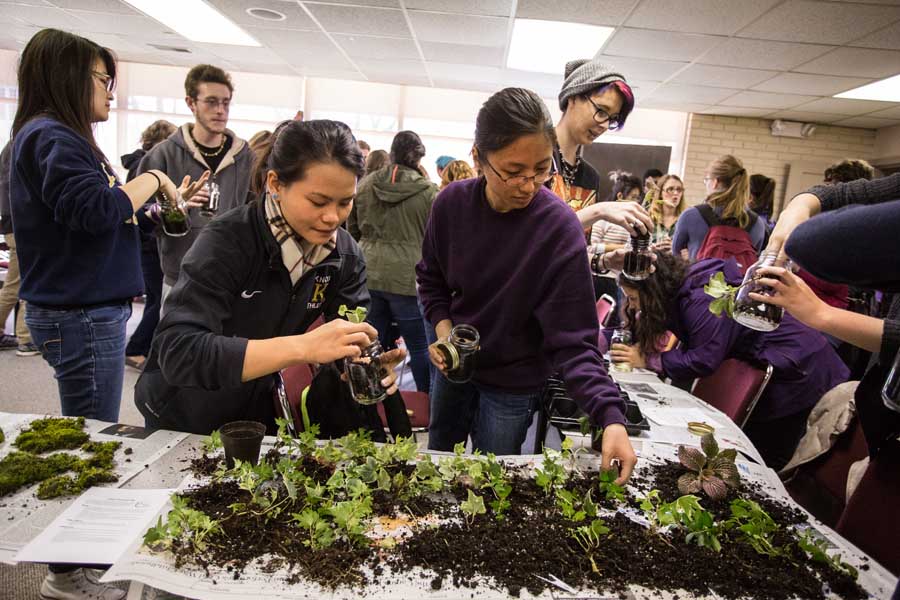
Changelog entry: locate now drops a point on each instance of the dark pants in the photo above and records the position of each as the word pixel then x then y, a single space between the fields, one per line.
pixel 139 344
pixel 404 311
pixel 497 421
pixel 777 440
pixel 430 338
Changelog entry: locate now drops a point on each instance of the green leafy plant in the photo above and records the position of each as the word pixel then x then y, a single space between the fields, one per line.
pixel 574 508
pixel 608 486
pixel 755 525
pixel 588 428
pixel 472 506
pixel 184 526
pixel 710 470
pixel 687 513
pixel 551 474
pixel 817 550
pixel 318 531
pixel 356 315
pixel 723 295
pixel 213 442
pixel 589 537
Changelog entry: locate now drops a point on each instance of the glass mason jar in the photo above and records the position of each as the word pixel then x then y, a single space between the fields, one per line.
pixel 364 374
pixel 459 352
pixel 212 206
pixel 174 215
pixel 750 313
pixel 638 261
pixel 621 336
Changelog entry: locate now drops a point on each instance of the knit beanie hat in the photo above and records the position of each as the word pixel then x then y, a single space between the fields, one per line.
pixel 443 161
pixel 584 75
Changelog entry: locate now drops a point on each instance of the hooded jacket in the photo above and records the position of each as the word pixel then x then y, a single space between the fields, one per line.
pixel 391 211
pixel 234 287
pixel 178 156
pixel 805 366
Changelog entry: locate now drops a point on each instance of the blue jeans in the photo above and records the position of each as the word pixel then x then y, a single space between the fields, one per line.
pixel 430 338
pixel 86 348
pixel 403 310
pixel 496 420
pixel 139 344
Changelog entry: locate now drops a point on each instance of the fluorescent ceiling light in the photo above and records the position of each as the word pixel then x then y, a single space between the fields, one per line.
pixel 886 90
pixel 546 46
pixel 196 20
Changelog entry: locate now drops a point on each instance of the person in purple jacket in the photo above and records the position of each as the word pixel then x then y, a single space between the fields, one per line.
pixel 503 254
pixel 805 365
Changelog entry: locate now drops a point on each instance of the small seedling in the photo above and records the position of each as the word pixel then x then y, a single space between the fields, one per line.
pixel 608 486
pixel 588 537
pixel 213 442
pixel 711 471
pixel 356 315
pixel 472 506
pixel 723 295
pixel 687 512
pixel 756 526
pixel 817 549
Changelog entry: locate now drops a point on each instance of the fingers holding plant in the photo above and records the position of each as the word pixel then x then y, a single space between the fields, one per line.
pixel 616 446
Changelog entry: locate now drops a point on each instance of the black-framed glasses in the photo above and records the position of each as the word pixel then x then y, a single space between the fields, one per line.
pixel 601 117
pixel 520 180
pixel 106 79
pixel 214 103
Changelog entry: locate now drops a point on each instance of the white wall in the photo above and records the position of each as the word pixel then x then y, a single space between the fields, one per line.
pixel 887 147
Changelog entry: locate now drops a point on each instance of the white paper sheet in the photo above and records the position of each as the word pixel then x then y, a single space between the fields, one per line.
pixel 97 528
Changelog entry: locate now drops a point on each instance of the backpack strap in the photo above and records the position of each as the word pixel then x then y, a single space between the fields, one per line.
pixel 753 218
pixel 709 215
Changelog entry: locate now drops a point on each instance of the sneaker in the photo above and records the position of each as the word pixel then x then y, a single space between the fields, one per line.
pixel 8 342
pixel 75 585
pixel 28 349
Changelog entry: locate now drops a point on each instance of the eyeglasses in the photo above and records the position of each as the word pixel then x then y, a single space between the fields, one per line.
pixel 673 190
pixel 106 79
pixel 213 103
pixel 707 179
pixel 601 117
pixel 520 180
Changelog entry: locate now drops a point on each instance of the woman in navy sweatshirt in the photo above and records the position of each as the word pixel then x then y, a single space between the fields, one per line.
pixel 75 224
pixel 503 254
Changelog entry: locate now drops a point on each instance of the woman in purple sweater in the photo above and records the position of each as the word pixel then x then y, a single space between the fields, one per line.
pixel 804 363
pixel 503 254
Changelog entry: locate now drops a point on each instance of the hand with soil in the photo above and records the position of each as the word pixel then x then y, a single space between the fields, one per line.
pixel 335 340
pixel 616 446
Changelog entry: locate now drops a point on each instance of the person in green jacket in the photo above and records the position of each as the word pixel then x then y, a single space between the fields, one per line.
pixel 392 208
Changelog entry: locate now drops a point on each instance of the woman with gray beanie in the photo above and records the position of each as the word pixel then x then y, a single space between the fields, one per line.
pixel 392 208
pixel 594 98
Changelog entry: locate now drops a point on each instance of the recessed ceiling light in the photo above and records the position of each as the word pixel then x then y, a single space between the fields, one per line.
pixel 546 46
pixel 266 14
pixel 196 20
pixel 886 90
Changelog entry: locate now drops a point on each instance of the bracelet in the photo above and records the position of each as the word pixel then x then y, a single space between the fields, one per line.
pixel 153 213
pixel 158 180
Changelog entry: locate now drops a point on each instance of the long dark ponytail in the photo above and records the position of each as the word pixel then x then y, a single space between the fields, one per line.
pixel 656 293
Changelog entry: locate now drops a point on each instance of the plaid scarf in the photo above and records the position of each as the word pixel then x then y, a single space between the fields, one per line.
pixel 299 256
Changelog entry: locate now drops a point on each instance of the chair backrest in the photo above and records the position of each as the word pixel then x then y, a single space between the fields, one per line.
pixel 417 406
pixel 293 381
pixel 605 306
pixel 734 388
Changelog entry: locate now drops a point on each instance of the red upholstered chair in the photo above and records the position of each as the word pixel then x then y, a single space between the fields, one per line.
pixel 417 407
pixel 605 306
pixel 870 519
pixel 289 386
pixel 734 388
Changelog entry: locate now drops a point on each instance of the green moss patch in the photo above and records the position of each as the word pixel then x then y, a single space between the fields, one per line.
pixel 54 433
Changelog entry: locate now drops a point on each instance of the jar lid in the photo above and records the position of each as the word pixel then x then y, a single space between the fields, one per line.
pixel 700 428
pixel 451 355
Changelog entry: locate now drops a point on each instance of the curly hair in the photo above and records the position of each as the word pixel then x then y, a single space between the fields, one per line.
pixel 654 293
pixel 456 170
pixel 849 169
pixel 155 133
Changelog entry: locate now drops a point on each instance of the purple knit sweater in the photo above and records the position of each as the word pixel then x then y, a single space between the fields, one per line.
pixel 520 278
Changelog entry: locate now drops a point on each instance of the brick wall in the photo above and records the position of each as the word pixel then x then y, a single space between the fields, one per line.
pixel 710 136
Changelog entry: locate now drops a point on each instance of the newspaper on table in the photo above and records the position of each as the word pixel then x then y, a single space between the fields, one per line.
pixel 155 573
pixel 23 516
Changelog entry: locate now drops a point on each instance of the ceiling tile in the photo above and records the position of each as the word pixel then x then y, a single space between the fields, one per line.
pixel 867 122
pixel 381 3
pixel 759 54
pixel 355 19
pixel 397 68
pixel 890 113
pixel 816 21
pixel 639 68
pixel 377 48
pixel 677 106
pixel 128 25
pixel 45 16
pixel 491 56
pixel 737 111
pixel 295 17
pixel 460 84
pixel 459 29
pixel 490 8
pixel 642 89
pixel 659 44
pixel 727 77
pixel 609 12
pixel 154 58
pixel 806 116
pixel 116 43
pixel 698 16
pixel 460 72
pixel 813 85
pixel 887 38
pixel 843 106
pixel 303 49
pixel 240 53
pixel 696 94
pixel 105 6
pixel 327 73
pixel 278 67
pixel 858 62
pixel 893 2
pixel 763 100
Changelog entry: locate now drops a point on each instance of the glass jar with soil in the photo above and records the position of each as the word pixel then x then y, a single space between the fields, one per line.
pixel 174 215
pixel 750 313
pixel 364 374
pixel 621 336
pixel 459 352
pixel 638 259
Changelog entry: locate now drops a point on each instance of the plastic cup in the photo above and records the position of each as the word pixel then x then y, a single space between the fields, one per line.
pixel 242 440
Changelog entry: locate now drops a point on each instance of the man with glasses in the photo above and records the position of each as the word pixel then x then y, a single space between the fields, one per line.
pixel 204 145
pixel 594 99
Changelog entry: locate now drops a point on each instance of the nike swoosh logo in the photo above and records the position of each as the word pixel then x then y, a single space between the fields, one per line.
pixel 248 295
